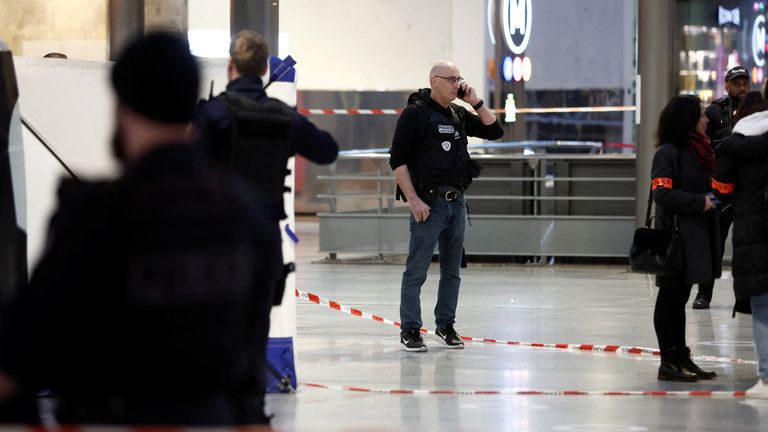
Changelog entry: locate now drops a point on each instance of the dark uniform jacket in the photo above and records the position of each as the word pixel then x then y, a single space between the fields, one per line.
pixel 720 115
pixel 151 292
pixel 212 123
pixel 679 185
pixel 435 147
pixel 740 178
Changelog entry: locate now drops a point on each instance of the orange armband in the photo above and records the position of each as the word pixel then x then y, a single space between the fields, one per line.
pixel 664 182
pixel 723 188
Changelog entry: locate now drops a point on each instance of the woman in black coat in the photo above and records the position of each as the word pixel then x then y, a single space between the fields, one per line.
pixel 741 178
pixel 681 171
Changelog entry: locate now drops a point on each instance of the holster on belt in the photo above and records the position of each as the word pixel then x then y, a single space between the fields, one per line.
pixel 427 193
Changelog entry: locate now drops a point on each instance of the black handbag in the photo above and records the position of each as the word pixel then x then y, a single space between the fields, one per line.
pixel 656 250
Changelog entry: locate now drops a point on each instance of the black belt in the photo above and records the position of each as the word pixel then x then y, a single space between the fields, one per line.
pixel 448 193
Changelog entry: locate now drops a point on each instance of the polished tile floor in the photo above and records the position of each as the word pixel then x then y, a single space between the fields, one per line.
pixel 572 304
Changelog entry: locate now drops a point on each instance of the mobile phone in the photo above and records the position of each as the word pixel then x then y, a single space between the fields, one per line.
pixel 712 198
pixel 461 92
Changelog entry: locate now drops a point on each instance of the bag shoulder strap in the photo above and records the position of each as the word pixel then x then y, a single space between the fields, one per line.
pixel 650 194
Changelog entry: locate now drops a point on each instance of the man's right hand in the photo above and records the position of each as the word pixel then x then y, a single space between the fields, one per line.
pixel 419 209
pixel 708 204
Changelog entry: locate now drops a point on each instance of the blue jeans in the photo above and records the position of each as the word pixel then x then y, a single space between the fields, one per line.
pixel 445 228
pixel 760 332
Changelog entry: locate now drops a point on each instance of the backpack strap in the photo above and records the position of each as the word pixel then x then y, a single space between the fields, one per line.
pixel 459 117
pixel 424 119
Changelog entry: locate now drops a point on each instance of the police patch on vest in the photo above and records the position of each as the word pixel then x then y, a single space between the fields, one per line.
pixel 446 145
pixel 445 129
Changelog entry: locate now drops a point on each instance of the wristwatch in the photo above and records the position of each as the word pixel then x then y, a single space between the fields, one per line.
pixel 478 105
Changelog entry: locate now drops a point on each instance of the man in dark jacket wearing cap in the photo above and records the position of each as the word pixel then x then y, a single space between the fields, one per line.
pixel 720 114
pixel 154 290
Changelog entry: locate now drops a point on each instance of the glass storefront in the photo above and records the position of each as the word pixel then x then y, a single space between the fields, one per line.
pixel 570 69
pixel 714 36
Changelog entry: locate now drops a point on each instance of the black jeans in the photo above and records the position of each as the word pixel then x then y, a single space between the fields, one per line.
pixel 669 315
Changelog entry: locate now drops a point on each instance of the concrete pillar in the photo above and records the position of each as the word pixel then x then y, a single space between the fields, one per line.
pixel 260 16
pixel 657 68
pixel 128 18
pixel 166 14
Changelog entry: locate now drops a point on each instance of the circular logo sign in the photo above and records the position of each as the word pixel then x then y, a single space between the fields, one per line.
pixel 758 41
pixel 516 20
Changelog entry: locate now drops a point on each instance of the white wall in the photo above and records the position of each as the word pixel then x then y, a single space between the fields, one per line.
pixel 70 104
pixel 208 15
pixel 382 44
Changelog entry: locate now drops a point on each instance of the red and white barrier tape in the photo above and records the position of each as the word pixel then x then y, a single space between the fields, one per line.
pixel 390 111
pixel 322 301
pixel 526 392
pixel 349 111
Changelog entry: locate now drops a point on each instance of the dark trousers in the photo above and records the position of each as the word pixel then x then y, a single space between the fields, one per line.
pixel 443 228
pixel 206 410
pixel 726 220
pixel 669 315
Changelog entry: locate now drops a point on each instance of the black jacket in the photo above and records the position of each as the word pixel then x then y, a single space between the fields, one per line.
pixel 418 138
pixel 212 123
pixel 679 187
pixel 740 179
pixel 720 115
pixel 154 288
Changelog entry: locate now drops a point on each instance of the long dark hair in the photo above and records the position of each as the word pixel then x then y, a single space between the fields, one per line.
pixel 678 118
pixel 751 103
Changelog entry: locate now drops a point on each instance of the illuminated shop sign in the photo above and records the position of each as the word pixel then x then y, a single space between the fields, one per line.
pixel 728 16
pixel 758 41
pixel 516 20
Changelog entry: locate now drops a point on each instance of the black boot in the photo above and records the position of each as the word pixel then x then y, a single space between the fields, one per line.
pixel 701 302
pixel 671 368
pixel 690 366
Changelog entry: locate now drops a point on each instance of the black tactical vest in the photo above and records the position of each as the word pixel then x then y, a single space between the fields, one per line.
pixel 441 157
pixel 260 144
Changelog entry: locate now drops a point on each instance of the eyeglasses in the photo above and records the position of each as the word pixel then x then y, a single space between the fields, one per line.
pixel 451 79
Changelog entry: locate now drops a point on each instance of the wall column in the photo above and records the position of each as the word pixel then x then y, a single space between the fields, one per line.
pixel 260 16
pixel 128 18
pixel 657 68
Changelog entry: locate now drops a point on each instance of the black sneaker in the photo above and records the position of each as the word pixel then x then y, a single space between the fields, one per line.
pixel 701 302
pixel 412 341
pixel 448 337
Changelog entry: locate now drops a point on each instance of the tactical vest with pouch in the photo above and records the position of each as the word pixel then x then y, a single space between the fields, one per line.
pixel 441 157
pixel 259 147
pixel 260 144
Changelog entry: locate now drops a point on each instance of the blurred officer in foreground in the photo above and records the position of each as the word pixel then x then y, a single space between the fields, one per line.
pixel 154 288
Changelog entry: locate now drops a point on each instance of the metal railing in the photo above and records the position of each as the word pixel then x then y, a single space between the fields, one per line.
pixel 516 193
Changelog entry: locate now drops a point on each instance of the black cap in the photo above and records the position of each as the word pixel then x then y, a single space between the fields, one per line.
pixel 157 76
pixel 737 71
